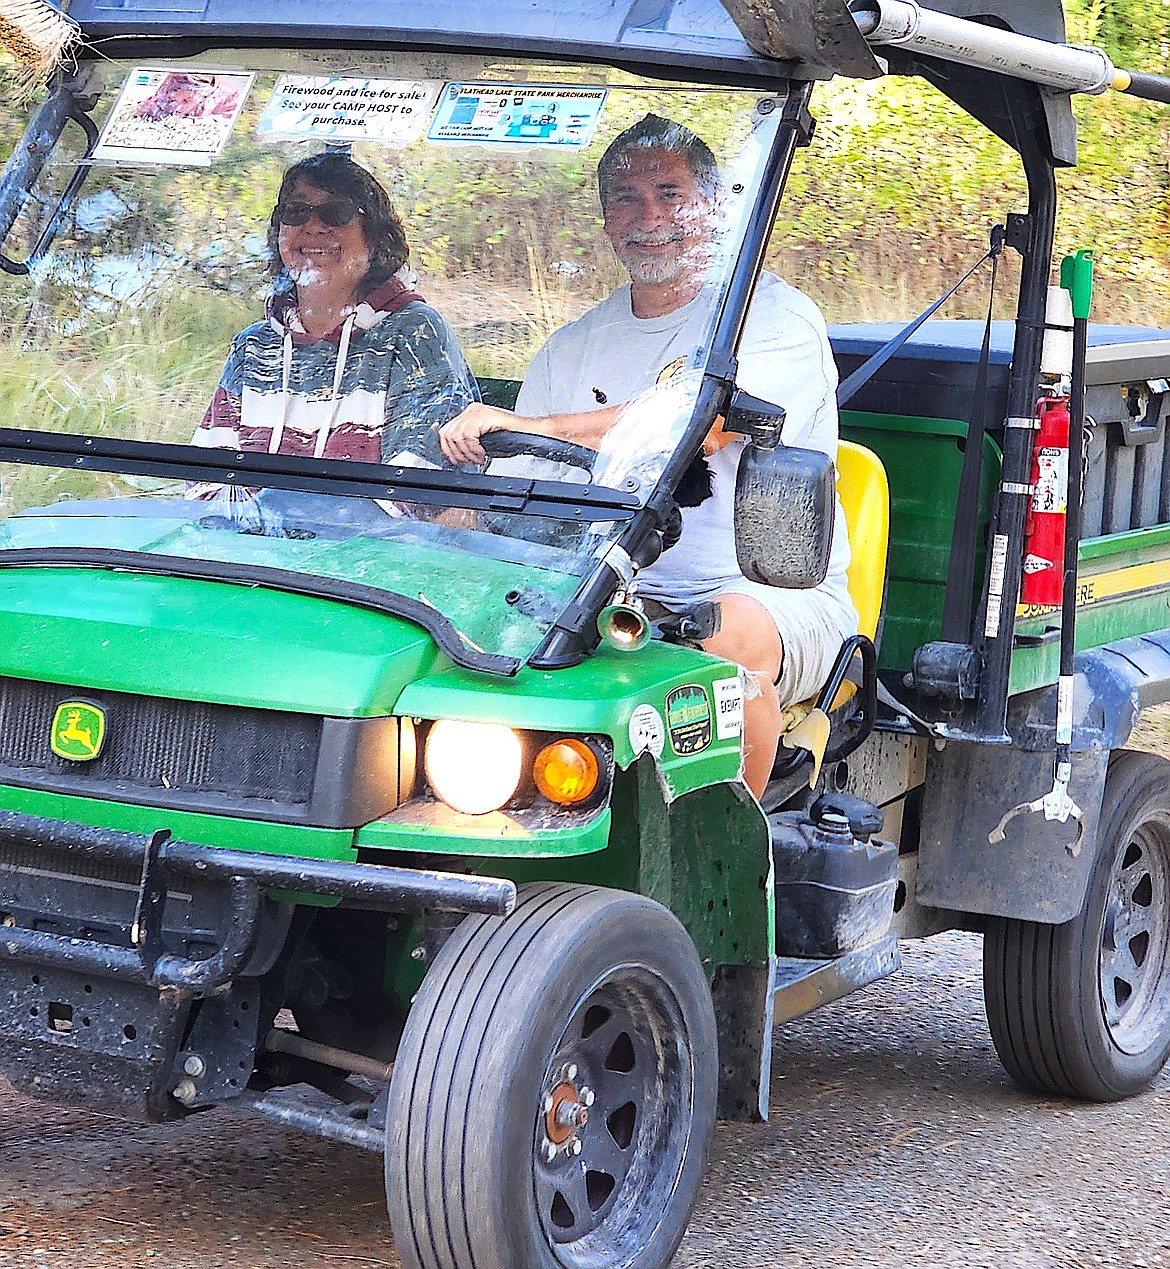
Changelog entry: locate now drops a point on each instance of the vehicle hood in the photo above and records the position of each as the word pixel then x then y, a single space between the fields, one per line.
pixel 206 641
pixel 258 611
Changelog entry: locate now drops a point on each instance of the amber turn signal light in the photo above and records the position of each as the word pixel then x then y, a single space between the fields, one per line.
pixel 566 771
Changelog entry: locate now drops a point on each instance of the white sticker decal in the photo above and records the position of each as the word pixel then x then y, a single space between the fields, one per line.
pixel 647 731
pixel 344 108
pixel 995 578
pixel 1051 480
pixel 173 116
pixel 1064 710
pixel 728 707
pixel 517 114
pixel 1036 564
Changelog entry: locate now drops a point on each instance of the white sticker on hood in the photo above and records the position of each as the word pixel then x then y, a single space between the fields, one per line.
pixel 728 695
pixel 647 731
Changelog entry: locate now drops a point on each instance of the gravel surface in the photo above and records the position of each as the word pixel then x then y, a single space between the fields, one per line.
pixel 896 1139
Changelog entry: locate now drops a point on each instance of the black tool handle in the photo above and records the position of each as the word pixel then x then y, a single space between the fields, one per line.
pixel 1149 87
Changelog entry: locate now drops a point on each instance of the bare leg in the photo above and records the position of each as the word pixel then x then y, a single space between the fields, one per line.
pixel 748 636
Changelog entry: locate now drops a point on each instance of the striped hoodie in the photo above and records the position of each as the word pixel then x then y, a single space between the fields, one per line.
pixel 376 389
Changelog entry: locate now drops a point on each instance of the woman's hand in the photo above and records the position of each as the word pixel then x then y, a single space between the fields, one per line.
pixel 459 439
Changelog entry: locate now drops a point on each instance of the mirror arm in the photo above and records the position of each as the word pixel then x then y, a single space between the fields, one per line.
pixel 68 101
pixel 751 416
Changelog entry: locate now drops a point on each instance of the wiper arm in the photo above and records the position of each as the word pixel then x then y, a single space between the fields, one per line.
pixel 422 485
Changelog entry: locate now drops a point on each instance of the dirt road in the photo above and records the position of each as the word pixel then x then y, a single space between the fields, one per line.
pixel 896 1140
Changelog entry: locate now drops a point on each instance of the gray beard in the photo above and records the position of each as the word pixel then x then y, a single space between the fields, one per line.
pixel 654 272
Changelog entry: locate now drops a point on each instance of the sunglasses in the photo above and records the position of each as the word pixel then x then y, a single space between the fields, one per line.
pixel 334 214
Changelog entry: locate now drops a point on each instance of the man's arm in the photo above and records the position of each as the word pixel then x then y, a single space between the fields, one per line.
pixel 460 438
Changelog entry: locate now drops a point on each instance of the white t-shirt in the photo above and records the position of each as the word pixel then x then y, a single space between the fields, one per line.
pixel 609 356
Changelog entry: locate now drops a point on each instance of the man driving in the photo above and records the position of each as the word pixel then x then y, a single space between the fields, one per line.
pixel 659 187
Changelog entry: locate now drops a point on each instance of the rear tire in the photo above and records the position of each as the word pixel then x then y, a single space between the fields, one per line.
pixel 554 1092
pixel 1083 1009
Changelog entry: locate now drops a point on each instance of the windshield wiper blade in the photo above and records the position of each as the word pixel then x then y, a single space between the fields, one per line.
pixel 445 634
pixel 423 485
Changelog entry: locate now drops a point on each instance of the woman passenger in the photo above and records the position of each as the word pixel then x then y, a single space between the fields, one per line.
pixel 349 362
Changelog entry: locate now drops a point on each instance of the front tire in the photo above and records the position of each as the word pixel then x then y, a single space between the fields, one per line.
pixel 554 1092
pixel 1083 1009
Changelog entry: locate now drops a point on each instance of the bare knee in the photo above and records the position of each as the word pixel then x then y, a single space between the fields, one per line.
pixel 748 636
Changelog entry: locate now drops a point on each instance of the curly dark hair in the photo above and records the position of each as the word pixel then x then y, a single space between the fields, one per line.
pixel 334 173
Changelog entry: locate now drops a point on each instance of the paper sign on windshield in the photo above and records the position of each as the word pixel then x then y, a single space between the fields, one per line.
pixel 342 108
pixel 519 114
pixel 173 116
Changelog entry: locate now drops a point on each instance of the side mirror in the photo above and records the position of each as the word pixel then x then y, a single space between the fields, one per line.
pixel 785 504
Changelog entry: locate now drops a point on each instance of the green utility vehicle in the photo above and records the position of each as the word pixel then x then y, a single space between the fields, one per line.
pixel 358 789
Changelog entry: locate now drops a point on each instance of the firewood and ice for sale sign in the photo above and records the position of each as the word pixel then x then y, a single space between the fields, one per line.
pixel 344 108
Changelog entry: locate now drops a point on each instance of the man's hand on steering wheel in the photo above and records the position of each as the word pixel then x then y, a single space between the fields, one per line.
pixel 459 439
pixel 493 433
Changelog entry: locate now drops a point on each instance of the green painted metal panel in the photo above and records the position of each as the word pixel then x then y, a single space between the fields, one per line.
pixel 467 587
pixel 923 460
pixel 1148 543
pixel 205 830
pixel 706 857
pixel 1123 590
pixel 600 696
pixel 1097 625
pixel 206 641
pixel 496 836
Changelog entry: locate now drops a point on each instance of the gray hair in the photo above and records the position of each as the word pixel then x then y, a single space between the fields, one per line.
pixel 655 133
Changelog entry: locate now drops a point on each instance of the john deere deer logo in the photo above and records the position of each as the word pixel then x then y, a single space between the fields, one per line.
pixel 78 731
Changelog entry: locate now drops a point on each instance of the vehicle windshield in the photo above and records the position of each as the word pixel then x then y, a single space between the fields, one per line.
pixel 322 259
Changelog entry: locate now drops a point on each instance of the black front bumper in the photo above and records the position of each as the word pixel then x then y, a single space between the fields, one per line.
pixel 123 955
pixel 164 863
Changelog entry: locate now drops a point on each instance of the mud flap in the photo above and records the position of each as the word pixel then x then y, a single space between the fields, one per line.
pixel 743 1016
pixel 1028 874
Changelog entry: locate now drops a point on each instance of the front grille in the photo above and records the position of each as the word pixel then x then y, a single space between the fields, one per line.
pixel 159 750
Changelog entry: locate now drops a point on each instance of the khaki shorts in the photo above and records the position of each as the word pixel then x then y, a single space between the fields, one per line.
pixel 809 634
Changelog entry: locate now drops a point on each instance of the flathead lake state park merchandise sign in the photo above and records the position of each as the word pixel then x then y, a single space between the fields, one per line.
pixel 688 719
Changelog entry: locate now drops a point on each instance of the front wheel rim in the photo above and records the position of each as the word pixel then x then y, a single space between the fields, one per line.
pixel 1134 962
pixel 614 1121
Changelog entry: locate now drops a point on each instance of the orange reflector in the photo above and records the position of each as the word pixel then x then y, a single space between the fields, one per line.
pixel 566 771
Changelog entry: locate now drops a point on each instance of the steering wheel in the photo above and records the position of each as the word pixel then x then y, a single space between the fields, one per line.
pixel 505 444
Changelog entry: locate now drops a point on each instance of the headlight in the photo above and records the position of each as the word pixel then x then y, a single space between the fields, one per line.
pixel 473 767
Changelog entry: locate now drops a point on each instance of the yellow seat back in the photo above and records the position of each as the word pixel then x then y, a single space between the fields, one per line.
pixel 865 500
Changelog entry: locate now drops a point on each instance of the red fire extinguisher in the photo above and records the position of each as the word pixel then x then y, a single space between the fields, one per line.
pixel 1043 579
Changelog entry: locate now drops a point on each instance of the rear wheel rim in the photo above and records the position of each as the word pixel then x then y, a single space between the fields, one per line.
pixel 1134 962
pixel 603 1186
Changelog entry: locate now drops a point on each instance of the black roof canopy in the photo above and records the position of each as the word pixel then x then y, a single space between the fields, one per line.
pixel 664 34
